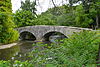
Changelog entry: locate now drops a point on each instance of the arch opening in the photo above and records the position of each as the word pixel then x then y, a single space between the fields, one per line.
pixel 54 36
pixel 27 36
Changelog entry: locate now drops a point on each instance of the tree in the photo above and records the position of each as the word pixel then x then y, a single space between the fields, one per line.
pixel 24 18
pixel 67 18
pixel 7 32
pixel 89 5
pixel 82 19
pixel 95 13
pixel 27 14
pixel 45 19
pixel 28 6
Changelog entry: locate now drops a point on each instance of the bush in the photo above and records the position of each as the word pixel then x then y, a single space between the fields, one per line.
pixel 7 32
pixel 15 64
pixel 82 48
pixel 4 63
pixel 79 50
pixel 24 18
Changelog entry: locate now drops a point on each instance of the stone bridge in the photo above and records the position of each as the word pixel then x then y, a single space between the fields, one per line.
pixel 40 32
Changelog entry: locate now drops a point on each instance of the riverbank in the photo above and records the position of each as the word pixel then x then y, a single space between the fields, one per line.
pixel 14 44
pixel 7 46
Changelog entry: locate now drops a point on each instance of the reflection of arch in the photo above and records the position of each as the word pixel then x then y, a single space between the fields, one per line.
pixel 47 35
pixel 25 35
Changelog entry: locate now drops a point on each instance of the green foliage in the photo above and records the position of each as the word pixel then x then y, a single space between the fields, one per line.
pixel 67 18
pixel 83 15
pixel 28 6
pixel 4 63
pixel 82 19
pixel 45 19
pixel 82 48
pixel 55 16
pixel 27 15
pixel 22 64
pixel 24 18
pixel 7 33
pixel 27 18
pixel 90 7
pixel 5 5
pixel 15 64
pixel 79 50
pixel 94 9
pixel 64 15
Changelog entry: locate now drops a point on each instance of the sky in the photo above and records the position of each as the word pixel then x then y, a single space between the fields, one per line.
pixel 42 5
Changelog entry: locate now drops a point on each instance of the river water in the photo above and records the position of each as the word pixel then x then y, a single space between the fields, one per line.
pixel 18 52
pixel 21 50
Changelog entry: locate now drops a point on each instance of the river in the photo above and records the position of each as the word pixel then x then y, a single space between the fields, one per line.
pixel 18 52
pixel 21 50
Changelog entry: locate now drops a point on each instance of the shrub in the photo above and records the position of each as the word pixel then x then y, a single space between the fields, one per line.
pixel 24 18
pixel 79 50
pixel 7 32
pixel 15 64
pixel 4 63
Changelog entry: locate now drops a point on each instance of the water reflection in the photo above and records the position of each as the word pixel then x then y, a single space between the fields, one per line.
pixel 25 48
pixel 6 54
pixel 21 50
pixel 56 38
pixel 18 52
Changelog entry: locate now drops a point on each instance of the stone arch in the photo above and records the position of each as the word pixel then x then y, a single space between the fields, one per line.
pixel 27 35
pixel 47 35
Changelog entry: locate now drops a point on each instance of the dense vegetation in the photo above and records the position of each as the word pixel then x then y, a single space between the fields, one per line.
pixel 79 50
pixel 83 15
pixel 7 32
pixel 76 51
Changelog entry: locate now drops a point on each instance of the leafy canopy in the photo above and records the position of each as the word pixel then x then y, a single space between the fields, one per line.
pixel 7 32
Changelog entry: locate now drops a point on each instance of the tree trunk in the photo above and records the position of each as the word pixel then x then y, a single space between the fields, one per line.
pixel 97 22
